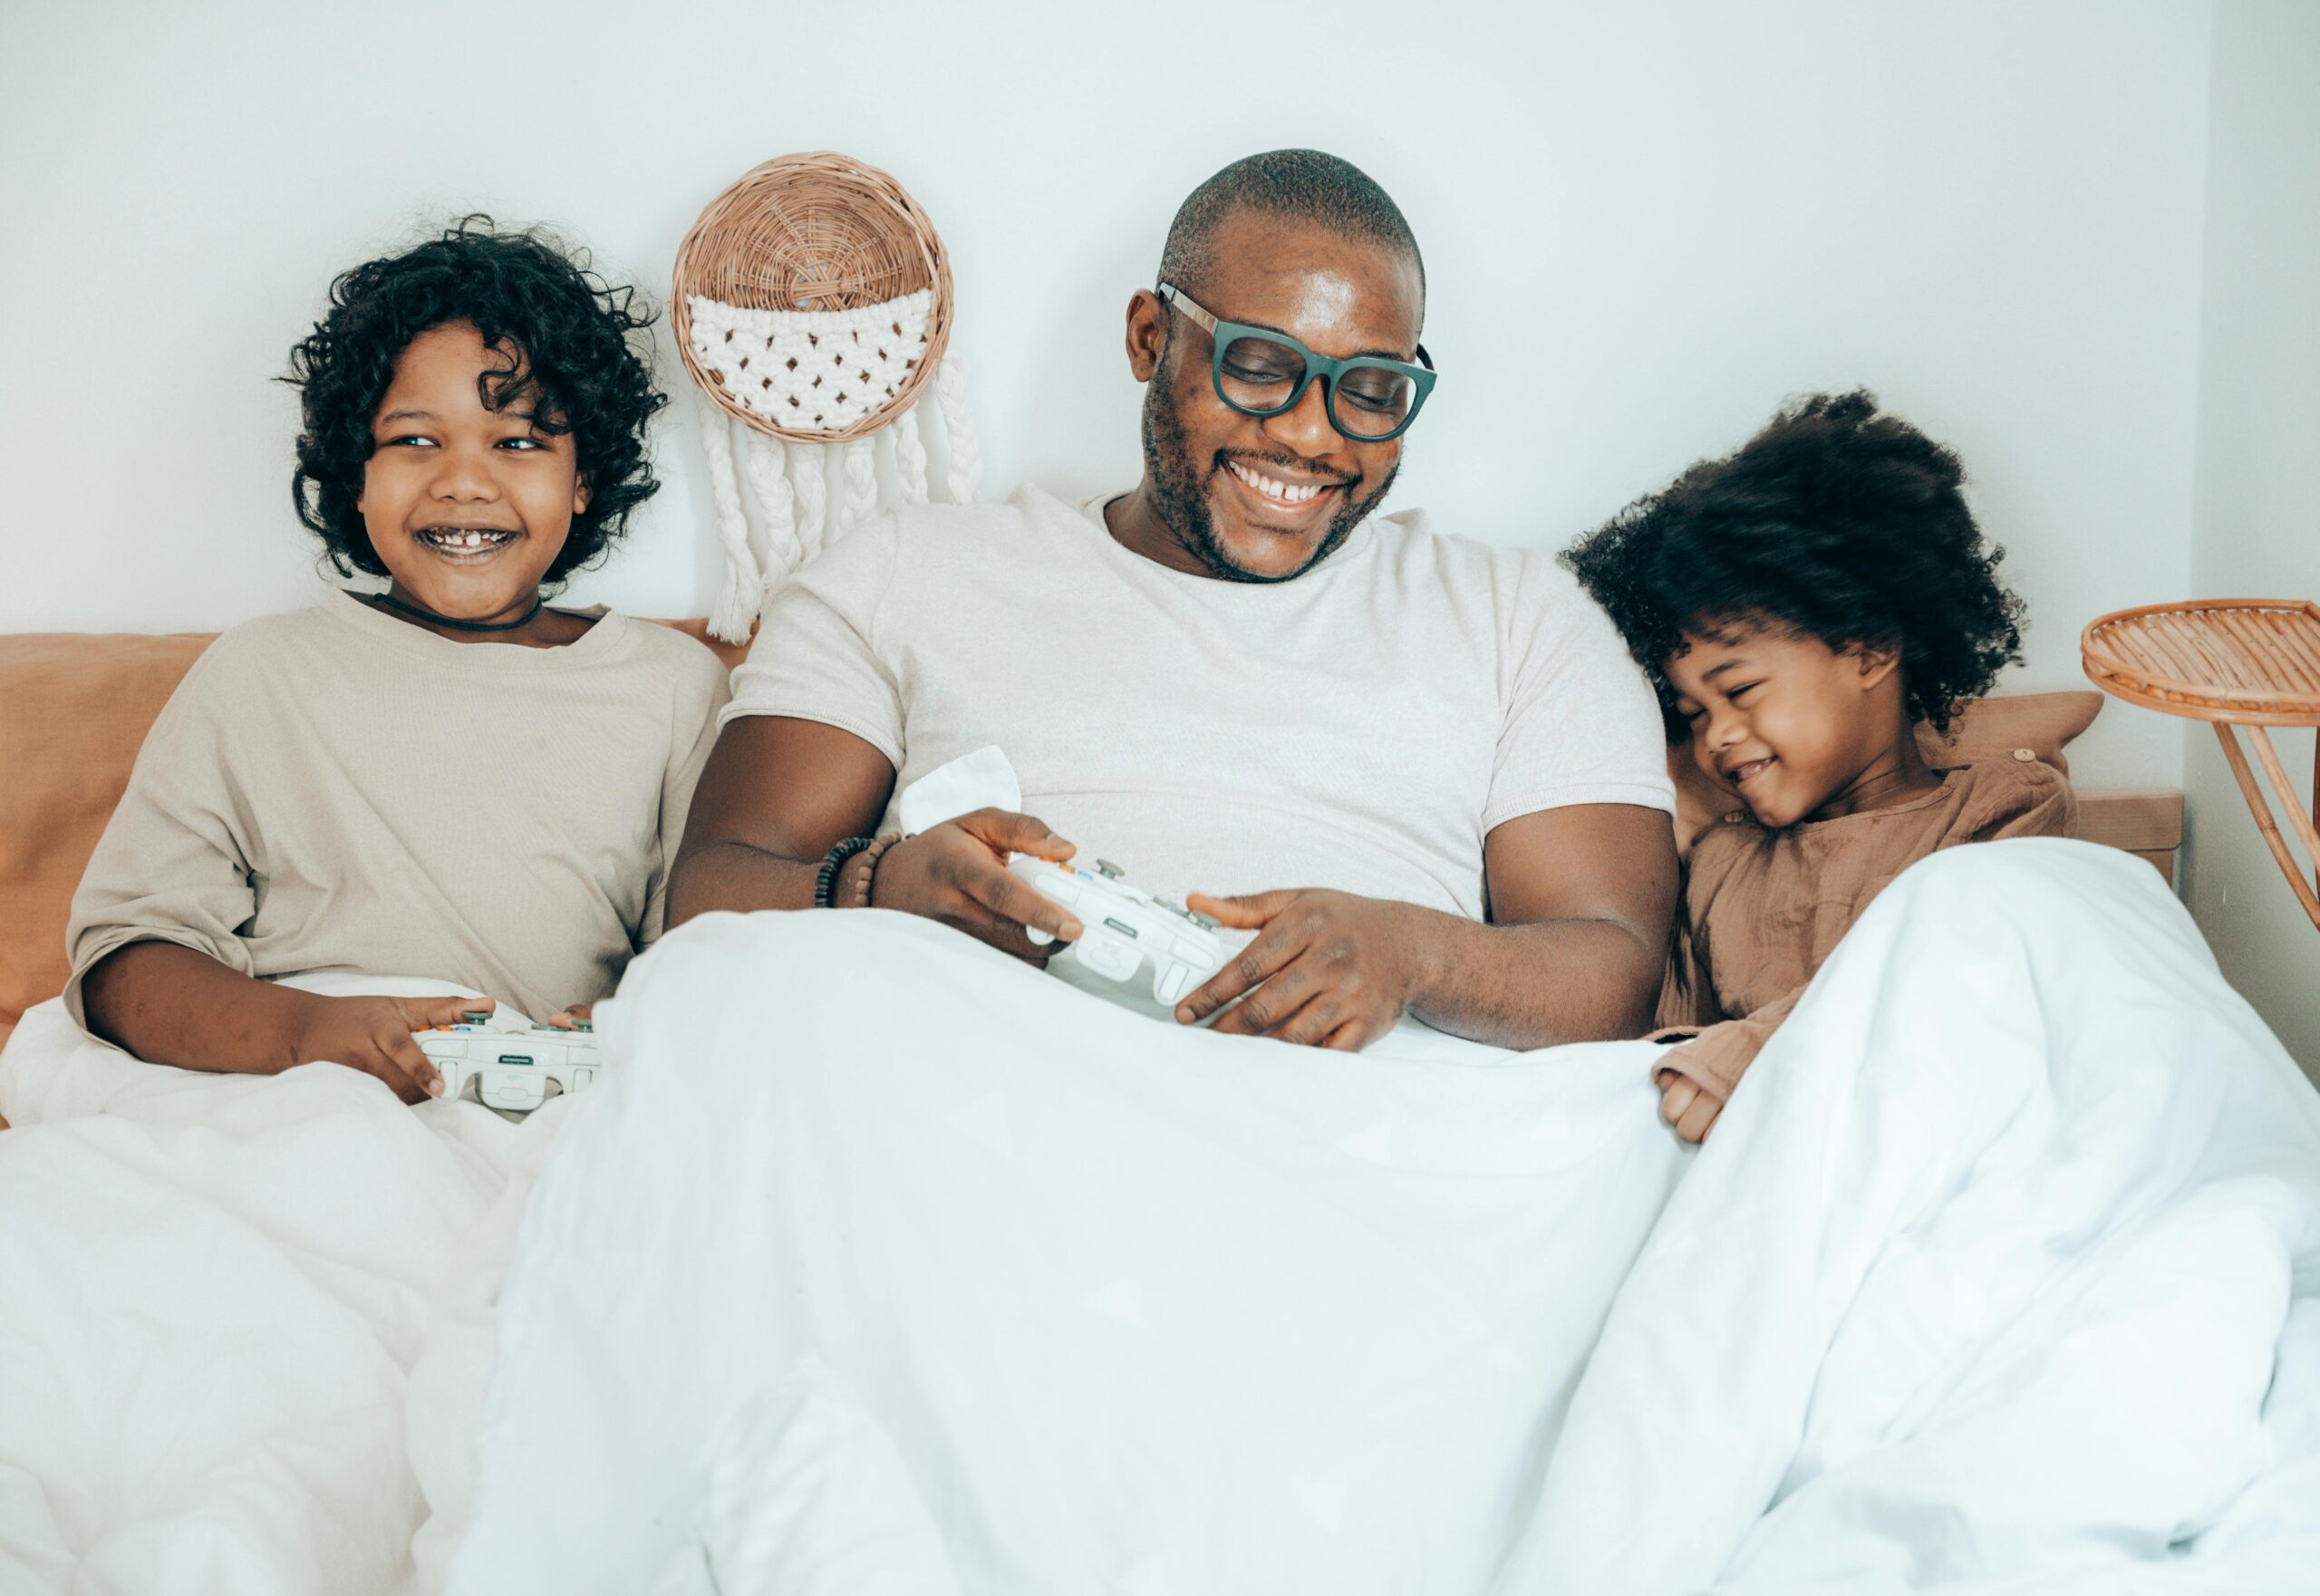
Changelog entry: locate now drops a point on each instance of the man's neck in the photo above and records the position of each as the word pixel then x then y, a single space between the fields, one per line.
pixel 1135 524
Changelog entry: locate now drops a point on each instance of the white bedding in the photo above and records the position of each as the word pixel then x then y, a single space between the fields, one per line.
pixel 899 1267
pixel 2002 1276
pixel 243 1321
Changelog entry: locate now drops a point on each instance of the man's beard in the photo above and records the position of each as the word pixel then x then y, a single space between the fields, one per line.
pixel 1180 495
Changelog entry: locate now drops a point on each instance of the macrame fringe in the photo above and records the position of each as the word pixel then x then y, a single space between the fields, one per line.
pixel 965 475
pixel 813 497
pixel 790 482
pixel 736 609
pixel 861 481
pixel 769 480
pixel 910 456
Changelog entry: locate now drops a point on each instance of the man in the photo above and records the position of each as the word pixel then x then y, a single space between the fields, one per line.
pixel 1423 772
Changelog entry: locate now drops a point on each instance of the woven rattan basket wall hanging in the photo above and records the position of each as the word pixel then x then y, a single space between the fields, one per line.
pixel 812 305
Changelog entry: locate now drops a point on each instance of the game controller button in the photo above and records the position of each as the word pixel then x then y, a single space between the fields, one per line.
pixel 582 1077
pixel 1109 871
pixel 1205 921
pixel 1189 950
pixel 477 1016
pixel 1036 937
pixel 1171 984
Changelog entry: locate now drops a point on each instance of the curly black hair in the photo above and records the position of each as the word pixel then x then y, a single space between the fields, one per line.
pixel 1835 522
pixel 574 344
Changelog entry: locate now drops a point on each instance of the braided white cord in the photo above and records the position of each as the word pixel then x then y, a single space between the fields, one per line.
pixel 771 483
pixel 861 480
pixel 738 599
pixel 909 456
pixel 965 473
pixel 811 467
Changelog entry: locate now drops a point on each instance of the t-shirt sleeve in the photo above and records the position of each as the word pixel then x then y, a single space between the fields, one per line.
pixel 1580 724
pixel 817 654
pixel 700 694
pixel 174 863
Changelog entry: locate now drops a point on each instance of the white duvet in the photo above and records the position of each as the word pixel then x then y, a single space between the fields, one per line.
pixel 243 1321
pixel 887 1265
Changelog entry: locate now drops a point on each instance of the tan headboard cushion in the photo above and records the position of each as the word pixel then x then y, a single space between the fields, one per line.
pixel 1985 729
pixel 74 706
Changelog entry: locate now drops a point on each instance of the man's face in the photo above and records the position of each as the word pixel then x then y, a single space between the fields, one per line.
pixel 1264 500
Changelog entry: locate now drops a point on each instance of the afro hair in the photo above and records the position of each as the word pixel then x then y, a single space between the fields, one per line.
pixel 1836 522
pixel 577 345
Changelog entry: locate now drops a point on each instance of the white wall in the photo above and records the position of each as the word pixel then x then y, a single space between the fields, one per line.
pixel 1644 225
pixel 2258 523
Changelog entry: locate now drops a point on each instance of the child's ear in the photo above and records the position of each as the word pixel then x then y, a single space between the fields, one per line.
pixel 1875 663
pixel 580 497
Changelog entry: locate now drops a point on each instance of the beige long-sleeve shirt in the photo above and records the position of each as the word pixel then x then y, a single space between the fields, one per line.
pixel 1765 909
pixel 335 790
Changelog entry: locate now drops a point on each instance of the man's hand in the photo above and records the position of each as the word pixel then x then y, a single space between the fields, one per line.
pixel 374 1035
pixel 1686 1104
pixel 1328 969
pixel 957 873
pixel 572 1019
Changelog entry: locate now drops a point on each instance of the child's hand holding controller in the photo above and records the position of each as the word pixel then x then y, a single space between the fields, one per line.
pixel 374 1035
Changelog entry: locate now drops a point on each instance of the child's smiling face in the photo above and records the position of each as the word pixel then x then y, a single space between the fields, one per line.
pixel 1801 730
pixel 467 507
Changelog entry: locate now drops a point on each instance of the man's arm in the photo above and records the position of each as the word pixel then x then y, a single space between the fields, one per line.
pixel 777 794
pixel 1581 902
pixel 1582 899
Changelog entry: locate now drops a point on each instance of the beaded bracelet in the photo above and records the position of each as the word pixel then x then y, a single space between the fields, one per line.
pixel 870 858
pixel 826 876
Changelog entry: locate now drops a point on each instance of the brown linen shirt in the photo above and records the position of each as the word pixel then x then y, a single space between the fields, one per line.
pixel 1763 910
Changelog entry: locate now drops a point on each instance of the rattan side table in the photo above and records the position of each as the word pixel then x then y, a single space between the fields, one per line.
pixel 2234 662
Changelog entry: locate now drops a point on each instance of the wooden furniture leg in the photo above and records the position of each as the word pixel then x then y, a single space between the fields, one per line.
pixel 2307 830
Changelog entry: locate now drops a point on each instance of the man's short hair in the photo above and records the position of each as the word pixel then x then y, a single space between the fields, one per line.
pixel 1300 184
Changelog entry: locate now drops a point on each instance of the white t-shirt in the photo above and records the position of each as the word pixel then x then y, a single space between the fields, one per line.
pixel 1363 727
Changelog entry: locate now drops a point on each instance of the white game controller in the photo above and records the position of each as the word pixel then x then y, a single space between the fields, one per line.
pixel 510 1069
pixel 1124 927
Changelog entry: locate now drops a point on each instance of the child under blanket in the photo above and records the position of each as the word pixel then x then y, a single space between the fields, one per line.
pixel 1801 605
pixel 446 778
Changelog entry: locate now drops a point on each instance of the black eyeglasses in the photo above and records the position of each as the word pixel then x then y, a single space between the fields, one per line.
pixel 1261 372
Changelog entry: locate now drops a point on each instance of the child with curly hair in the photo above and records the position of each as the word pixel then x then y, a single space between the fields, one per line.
pixel 1801 605
pixel 446 778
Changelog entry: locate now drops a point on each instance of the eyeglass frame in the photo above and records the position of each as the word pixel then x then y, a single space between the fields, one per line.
pixel 1221 334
